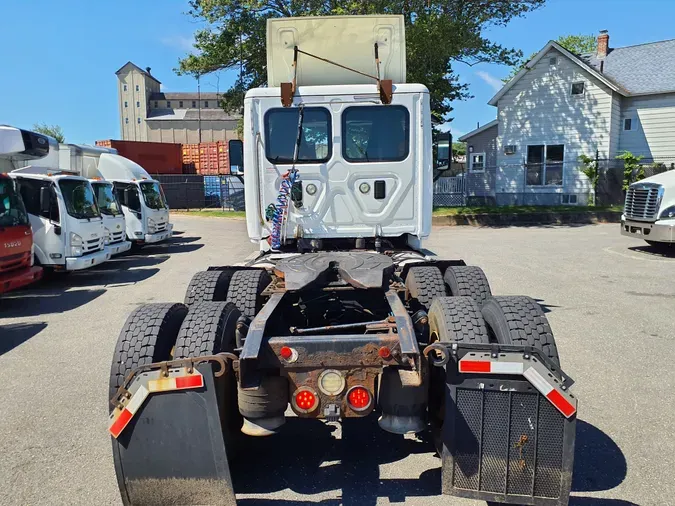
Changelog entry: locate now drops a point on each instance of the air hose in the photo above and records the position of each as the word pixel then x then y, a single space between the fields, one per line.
pixel 278 211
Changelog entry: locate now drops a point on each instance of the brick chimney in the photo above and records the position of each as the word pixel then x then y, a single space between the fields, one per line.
pixel 603 44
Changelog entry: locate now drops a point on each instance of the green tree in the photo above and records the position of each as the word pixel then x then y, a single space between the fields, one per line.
pixel 51 130
pixel 632 168
pixel 577 44
pixel 458 149
pixel 589 167
pixel 438 33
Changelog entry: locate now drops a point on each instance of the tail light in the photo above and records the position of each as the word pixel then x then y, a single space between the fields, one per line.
pixel 359 398
pixel 305 400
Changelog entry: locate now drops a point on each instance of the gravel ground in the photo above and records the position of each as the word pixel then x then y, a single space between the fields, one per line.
pixel 610 301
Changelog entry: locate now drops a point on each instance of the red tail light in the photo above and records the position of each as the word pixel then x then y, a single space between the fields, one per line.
pixel 359 398
pixel 305 400
pixel 286 352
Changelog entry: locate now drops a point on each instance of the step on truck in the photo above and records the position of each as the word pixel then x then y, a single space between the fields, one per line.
pixel 343 313
pixel 17 267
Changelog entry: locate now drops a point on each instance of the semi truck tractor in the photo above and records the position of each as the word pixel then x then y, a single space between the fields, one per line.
pixel 649 210
pixel 342 314
pixel 16 238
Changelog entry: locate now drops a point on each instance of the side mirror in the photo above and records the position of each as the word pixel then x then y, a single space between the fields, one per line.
pixel 45 200
pixel 125 198
pixel 236 156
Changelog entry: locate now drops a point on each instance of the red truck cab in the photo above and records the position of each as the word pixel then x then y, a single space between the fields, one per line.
pixel 16 240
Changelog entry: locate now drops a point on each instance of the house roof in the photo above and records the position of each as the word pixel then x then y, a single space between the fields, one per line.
pixel 478 130
pixel 186 96
pixel 576 59
pixel 142 71
pixel 190 115
pixel 641 70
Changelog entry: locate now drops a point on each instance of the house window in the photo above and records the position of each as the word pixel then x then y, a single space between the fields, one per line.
pixel 126 104
pixel 137 89
pixel 125 87
pixel 168 104
pixel 553 60
pixel 156 104
pixel 139 121
pixel 477 162
pixel 180 104
pixel 194 104
pixel 206 104
pixel 545 165
pixel 578 88
pixel 138 104
pixel 629 124
pixel 126 120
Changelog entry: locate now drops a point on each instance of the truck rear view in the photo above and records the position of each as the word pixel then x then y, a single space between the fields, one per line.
pixel 342 314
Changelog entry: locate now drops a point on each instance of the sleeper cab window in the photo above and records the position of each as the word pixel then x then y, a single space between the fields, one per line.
pixel 377 133
pixel 281 133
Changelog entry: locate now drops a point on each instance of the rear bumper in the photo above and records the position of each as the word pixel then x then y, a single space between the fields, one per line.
pixel 86 261
pixel 661 231
pixel 17 279
pixel 160 236
pixel 119 247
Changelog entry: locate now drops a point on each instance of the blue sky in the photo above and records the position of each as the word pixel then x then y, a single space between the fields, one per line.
pixel 61 57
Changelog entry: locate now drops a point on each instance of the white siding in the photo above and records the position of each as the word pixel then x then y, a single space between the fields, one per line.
pixel 615 126
pixel 539 109
pixel 654 134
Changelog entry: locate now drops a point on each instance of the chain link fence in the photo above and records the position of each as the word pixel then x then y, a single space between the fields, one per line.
pixel 190 191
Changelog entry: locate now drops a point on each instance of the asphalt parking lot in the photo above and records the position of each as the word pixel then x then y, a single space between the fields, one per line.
pixel 610 301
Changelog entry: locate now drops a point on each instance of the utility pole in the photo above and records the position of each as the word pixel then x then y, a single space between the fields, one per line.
pixel 199 109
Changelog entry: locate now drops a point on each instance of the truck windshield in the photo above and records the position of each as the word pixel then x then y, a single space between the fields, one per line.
pixel 12 211
pixel 107 202
pixel 79 198
pixel 152 194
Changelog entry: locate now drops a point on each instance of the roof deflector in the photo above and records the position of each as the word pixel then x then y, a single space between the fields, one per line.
pixel 385 87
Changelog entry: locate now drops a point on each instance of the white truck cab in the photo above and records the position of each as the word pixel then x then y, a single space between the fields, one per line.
pixel 649 210
pixel 142 199
pixel 67 225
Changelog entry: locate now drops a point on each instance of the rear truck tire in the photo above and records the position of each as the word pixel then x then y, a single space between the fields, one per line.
pixel 209 328
pixel 451 319
pixel 468 281
pixel 208 286
pixel 424 284
pixel 148 336
pixel 520 320
pixel 245 290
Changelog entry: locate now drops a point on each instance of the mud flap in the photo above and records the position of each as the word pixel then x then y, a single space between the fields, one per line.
pixel 504 441
pixel 173 451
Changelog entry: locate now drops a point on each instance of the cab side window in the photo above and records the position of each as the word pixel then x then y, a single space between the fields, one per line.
pixel 30 193
pixel 134 199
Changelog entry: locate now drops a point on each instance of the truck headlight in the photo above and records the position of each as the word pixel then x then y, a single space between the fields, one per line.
pixel 75 240
pixel 106 237
pixel 152 226
pixel 668 213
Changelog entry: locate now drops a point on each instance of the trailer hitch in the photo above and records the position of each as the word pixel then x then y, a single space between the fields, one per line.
pixel 222 359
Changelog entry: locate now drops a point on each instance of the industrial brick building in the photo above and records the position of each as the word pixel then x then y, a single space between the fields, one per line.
pixel 148 114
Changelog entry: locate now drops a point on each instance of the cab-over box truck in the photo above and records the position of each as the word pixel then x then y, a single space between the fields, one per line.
pixel 343 313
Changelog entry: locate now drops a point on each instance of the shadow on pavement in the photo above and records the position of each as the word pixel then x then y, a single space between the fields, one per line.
pixel 546 308
pixel 45 301
pixel 665 251
pixel 132 260
pixel 14 334
pixel 102 275
pixel 314 462
pixel 598 501
pixel 174 245
pixel 599 464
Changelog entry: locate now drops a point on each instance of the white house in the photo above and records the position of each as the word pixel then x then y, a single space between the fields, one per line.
pixel 562 105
